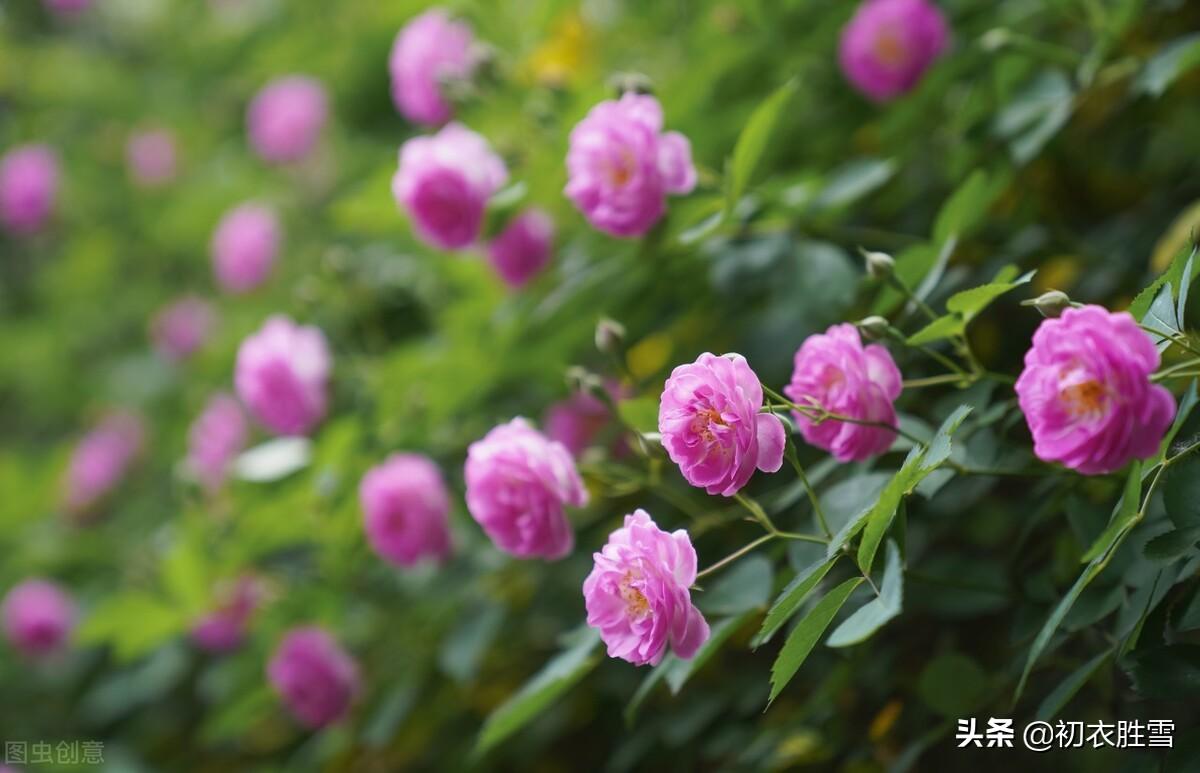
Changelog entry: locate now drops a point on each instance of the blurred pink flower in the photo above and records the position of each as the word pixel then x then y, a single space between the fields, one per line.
pixel 405 509
pixel 575 421
pixel 314 676
pixel 286 117
pixel 431 49
pixel 182 327
pixel 637 594
pixel 518 482
pixel 224 628
pixel 444 182
pixel 244 247
pixel 215 439
pixel 835 372
pixel 151 157
pixel 28 187
pixel 282 376
pixel 102 458
pixel 888 45
pixel 1086 391
pixel 621 166
pixel 711 426
pixel 523 248
pixel 38 617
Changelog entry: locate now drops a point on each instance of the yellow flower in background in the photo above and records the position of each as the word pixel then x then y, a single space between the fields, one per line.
pixel 1057 273
pixel 563 55
pixel 649 356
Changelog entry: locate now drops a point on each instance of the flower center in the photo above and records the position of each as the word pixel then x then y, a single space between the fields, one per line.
pixel 889 49
pixel 704 420
pixel 636 605
pixel 1085 399
pixel 620 171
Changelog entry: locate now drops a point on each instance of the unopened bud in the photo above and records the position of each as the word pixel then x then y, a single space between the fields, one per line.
pixel 1051 304
pixel 581 379
pixel 879 264
pixel 874 327
pixel 610 336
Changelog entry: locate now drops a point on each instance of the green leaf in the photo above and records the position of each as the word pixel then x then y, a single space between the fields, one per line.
pixel 133 623
pixel 462 650
pixel 850 182
pixel 1181 492
pixel 912 264
pixel 1166 672
pixel 185 577
pixel 1124 513
pixel 791 598
pixel 872 616
pixel 1181 271
pixel 1173 60
pixel 966 207
pixel 1035 115
pixel 1186 404
pixel 804 636
pixel 953 685
pixel 555 678
pixel 747 585
pixel 970 303
pixel 940 448
pixel 641 413
pixel 755 138
pixel 941 328
pixel 1061 695
pixel 1161 317
pixel 1173 544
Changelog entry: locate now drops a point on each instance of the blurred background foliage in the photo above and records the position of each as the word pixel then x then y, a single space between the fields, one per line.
pixel 1067 127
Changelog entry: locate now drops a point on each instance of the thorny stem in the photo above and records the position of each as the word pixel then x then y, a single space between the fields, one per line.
pixel 790 452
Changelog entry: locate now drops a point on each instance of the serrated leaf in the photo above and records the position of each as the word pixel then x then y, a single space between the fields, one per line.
pixel 1035 114
pixel 752 143
pixel 1061 695
pixel 943 327
pixel 872 616
pixel 1174 274
pixel 792 597
pixel 804 636
pixel 1161 317
pixel 555 678
pixel 1173 544
pixel 1166 672
pixel 1181 492
pixel 970 303
pixel 1172 60
pixel 1125 511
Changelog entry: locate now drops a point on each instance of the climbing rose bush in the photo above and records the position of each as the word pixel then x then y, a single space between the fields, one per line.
pixel 151 157
pixel 215 439
pixel 282 376
pixel 102 458
pixel 316 679
pixel 244 247
pixel 406 510
pixel 1086 391
pixel 431 50
pixel 38 618
pixel 28 187
pixel 285 118
pixel 224 628
pixel 888 45
pixel 182 327
pixel 523 248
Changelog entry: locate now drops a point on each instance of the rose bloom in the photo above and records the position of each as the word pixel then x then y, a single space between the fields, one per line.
pixel 314 676
pixel 215 439
pixel 431 49
pixel 101 459
pixel 286 117
pixel 575 421
pixel 518 482
pixel 224 628
pixel 151 157
pixel 621 166
pixel 182 327
pixel 406 509
pixel 835 372
pixel 888 45
pixel 28 187
pixel 244 247
pixel 711 425
pixel 38 618
pixel 637 595
pixel 523 248
pixel 282 376
pixel 1086 391
pixel 444 182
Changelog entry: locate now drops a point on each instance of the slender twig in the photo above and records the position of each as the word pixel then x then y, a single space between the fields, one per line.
pixel 1169 372
pixel 898 284
pixel 790 453
pixel 945 378
pixel 735 555
pixel 1178 340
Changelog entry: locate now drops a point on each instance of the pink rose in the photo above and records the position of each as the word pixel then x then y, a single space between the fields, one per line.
pixel 286 117
pixel 282 376
pixel 621 166
pixel 637 595
pixel 889 44
pixel 38 618
pixel 406 509
pixel 182 327
pixel 224 628
pixel 430 50
pixel 244 247
pixel 151 157
pixel 102 458
pixel 575 421
pixel 444 182
pixel 28 187
pixel 314 676
pixel 835 372
pixel 522 249
pixel 517 484
pixel 711 425
pixel 215 439
pixel 1086 391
